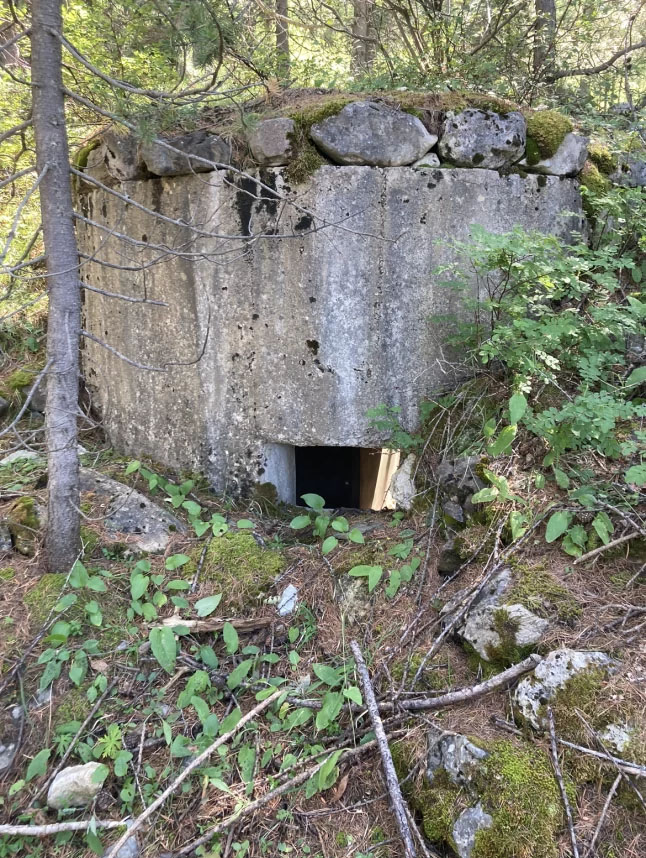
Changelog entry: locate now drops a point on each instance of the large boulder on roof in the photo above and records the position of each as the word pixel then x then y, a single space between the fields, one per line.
pixel 481 138
pixel 183 157
pixel 374 134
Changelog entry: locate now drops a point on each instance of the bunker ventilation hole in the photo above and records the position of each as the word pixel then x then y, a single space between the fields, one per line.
pixel 353 477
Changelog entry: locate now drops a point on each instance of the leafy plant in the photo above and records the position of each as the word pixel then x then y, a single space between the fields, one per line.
pixel 320 522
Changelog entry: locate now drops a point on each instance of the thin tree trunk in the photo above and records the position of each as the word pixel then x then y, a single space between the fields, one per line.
pixel 282 41
pixel 363 36
pixel 64 323
pixel 544 34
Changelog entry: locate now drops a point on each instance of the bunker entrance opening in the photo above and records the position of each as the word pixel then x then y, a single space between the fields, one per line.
pixel 352 477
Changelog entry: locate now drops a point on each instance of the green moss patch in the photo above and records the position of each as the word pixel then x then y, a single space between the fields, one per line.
pixel 546 130
pixel 539 591
pixel 24 524
pixel 238 567
pixel 7 573
pixel 593 179
pixel 42 597
pixel 602 158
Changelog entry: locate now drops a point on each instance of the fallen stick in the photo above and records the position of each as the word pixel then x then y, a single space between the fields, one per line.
pixel 194 764
pixel 392 781
pixel 615 542
pixel 559 778
pixel 597 831
pixel 58 827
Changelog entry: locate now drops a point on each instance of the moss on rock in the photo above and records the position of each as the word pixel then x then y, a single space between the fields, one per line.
pixel 538 590
pixel 546 130
pixel 593 179
pixel 23 523
pixel 602 158
pixel 236 565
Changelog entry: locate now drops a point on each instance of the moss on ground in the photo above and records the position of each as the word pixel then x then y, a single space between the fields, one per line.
pixel 24 524
pixel 7 573
pixel 539 591
pixel 238 567
pixel 90 540
pixel 73 707
pixel 546 130
pixel 42 597
pixel 436 674
pixel 593 179
pixel 602 158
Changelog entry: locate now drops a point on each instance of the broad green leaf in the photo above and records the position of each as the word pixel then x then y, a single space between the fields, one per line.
pixel 38 766
pixel 486 495
pixel 300 522
pixel 517 524
pixel 175 561
pixel 230 721
pixel 239 673
pixel 517 407
pixel 100 774
pixel 489 427
pixel 209 657
pixel 353 693
pixel 97 584
pixel 329 771
pixel 603 526
pixel 206 606
pixel 164 647
pixel 231 639
pixel 121 763
pixel 178 584
pixel 332 705
pixel 637 376
pixel 78 576
pixel 298 718
pixel 79 667
pixel 201 527
pixel 132 467
pixel 557 525
pixel 66 602
pixel 562 479
pixel 356 536
pixel 179 746
pixel 247 763
pixel 245 524
pixel 192 508
pixel 329 544
pixel 372 573
pixel 340 524
pixel 60 632
pixel 315 502
pixel 138 585
pixel 16 787
pixel 327 674
pixel 201 707
pixel 321 523
pixel 636 476
pixel 504 441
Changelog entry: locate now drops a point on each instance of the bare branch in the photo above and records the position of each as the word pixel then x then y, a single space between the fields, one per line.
pixel 601 67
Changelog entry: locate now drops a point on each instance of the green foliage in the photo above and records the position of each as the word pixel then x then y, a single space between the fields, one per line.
pixel 320 522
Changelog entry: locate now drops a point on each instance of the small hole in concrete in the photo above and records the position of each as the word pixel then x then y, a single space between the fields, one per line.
pixel 353 477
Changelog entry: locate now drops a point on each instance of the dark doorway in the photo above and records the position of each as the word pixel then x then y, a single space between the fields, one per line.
pixel 332 472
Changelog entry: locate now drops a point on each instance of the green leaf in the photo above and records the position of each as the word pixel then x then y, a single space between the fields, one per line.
pixel 66 602
pixel 636 476
pixel 504 441
pixel 16 787
pixel 517 524
pixel 239 673
pixel 247 763
pixel 209 657
pixel 231 639
pixel 78 576
pixel 300 522
pixel 372 573
pixel 38 766
pixel 329 544
pixel 637 376
pixel 201 707
pixel 179 747
pixel 97 584
pixel 603 526
pixel 562 479
pixel 321 523
pixel 331 706
pixel 138 585
pixel 206 606
pixel 132 467
pixel 245 524
pixel 394 583
pixel 164 648
pixel 175 561
pixel 314 502
pixel 340 524
pixel 517 407
pixel 79 667
pixel 329 771
pixel 489 428
pixel 192 508
pixel 178 584
pixel 327 674
pixel 231 720
pixel 121 763
pixel 201 527
pixel 557 525
pixel 356 536
pixel 353 693
pixel 100 774
pixel 486 495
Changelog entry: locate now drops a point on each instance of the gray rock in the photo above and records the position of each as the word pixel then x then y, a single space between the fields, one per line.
pixel 453 510
pixel 121 157
pixel 7 754
pixel 73 787
pixel 270 142
pixel 466 826
pixel 402 485
pixel 617 736
pixel 430 160
pixel 5 538
pixel 522 628
pixel 480 138
pixel 454 754
pixel 568 160
pixel 458 482
pixel 130 514
pixel 374 134
pixel 162 162
pixel 38 401
pixel 96 165
pixel 5 405
pixel 491 594
pixel 552 674
pixel 449 560
pixel 130 848
pixel 288 600
pixel 630 172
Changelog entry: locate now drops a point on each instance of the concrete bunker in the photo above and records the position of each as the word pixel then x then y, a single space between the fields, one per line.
pixel 269 324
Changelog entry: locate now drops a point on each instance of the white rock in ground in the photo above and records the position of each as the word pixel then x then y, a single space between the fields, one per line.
pixel 17 455
pixel 551 675
pixel 374 134
pixel 73 787
pixel 402 485
pixel 617 736
pixel 288 600
pixel 568 160
pixel 481 138
pixel 454 754
pixel 426 161
pixel 521 628
pixel 466 826
pixel 270 142
pixel 130 514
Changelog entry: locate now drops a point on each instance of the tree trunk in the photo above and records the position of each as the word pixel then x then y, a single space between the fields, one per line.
pixel 544 34
pixel 64 324
pixel 282 41
pixel 363 35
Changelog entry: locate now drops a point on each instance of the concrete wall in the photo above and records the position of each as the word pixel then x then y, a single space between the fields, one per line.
pixel 316 310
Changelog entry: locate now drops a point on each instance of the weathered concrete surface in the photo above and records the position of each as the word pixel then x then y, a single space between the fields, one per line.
pixel 284 324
